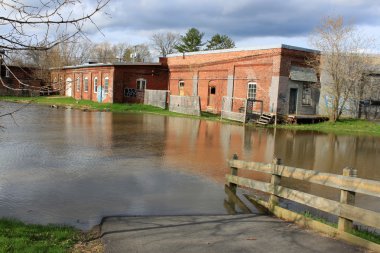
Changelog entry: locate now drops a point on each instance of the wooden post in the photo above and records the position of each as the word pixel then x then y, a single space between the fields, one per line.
pixel 275 180
pixel 347 197
pixel 234 172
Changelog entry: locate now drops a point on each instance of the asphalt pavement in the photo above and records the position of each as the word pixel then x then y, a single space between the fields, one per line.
pixel 221 233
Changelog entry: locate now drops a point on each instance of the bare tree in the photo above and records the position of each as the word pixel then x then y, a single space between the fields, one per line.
pixel 119 50
pixel 138 53
pixel 31 26
pixel 343 62
pixel 103 52
pixel 165 43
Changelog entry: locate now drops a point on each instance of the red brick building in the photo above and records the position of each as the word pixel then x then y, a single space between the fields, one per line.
pixel 110 83
pixel 19 81
pixel 278 76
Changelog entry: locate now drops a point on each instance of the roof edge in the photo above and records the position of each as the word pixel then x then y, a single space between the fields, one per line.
pixel 86 65
pixel 245 49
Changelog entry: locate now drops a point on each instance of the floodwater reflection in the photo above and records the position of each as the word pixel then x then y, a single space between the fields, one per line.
pixel 73 167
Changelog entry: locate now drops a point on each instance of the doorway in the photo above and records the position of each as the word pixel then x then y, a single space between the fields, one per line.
pixel 69 89
pixel 293 101
pixel 211 97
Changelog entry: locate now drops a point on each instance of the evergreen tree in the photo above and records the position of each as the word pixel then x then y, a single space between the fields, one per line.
pixel 220 42
pixel 191 41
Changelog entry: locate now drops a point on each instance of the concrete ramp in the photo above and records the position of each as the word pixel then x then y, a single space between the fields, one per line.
pixel 224 233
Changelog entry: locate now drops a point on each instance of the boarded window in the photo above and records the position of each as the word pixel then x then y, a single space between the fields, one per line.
pixel 78 84
pixel 306 94
pixel 106 84
pixel 251 94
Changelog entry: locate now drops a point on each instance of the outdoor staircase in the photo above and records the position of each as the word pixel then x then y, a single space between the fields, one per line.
pixel 265 119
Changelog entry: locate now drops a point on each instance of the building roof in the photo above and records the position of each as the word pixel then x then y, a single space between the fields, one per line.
pixel 245 49
pixel 89 65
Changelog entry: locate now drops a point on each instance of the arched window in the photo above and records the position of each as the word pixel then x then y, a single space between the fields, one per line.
pixel 95 85
pixel 141 84
pixel 106 84
pixel 251 90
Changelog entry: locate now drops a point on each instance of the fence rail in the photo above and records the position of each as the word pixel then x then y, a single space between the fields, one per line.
pixel 348 184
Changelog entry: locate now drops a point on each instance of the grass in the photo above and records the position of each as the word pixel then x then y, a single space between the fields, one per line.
pixel 366 234
pixel 95 106
pixel 344 126
pixel 16 236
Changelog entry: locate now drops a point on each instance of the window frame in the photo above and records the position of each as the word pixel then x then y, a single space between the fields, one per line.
pixel 85 84
pixel 7 73
pixel 139 82
pixel 96 84
pixel 252 91
pixel 77 84
pixel 106 84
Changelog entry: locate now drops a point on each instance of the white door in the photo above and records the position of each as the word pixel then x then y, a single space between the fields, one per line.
pixel 69 89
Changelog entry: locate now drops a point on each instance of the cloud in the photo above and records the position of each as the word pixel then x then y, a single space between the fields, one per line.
pixel 240 19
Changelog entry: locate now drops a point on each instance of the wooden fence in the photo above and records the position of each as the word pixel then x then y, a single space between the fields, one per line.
pixel 348 184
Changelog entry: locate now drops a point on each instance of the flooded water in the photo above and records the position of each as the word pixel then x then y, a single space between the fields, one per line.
pixel 73 167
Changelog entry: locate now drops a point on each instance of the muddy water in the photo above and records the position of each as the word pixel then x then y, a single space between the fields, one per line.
pixel 73 167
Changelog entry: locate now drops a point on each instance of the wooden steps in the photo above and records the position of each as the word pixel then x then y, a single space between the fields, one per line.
pixel 265 119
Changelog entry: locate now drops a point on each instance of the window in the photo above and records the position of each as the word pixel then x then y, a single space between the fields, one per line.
pixel 78 84
pixel 306 94
pixel 95 85
pixel 85 84
pixel 251 94
pixel 141 84
pixel 106 84
pixel 212 90
pixel 7 73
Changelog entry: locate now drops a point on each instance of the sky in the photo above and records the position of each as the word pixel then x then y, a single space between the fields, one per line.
pixel 249 23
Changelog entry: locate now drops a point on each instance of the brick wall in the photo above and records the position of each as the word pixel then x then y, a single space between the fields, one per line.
pixel 231 71
pixel 20 82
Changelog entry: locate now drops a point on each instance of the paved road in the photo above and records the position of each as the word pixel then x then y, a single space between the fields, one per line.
pixel 225 233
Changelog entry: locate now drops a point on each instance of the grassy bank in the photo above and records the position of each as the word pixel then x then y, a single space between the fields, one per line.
pixel 95 106
pixel 345 126
pixel 16 236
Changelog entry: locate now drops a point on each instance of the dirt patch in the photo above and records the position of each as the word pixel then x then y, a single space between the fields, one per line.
pixel 90 242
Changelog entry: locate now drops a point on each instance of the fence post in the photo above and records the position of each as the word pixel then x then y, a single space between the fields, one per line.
pixel 275 181
pixel 347 197
pixel 234 172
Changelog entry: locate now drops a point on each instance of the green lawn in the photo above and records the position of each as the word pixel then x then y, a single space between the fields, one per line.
pixel 95 106
pixel 16 236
